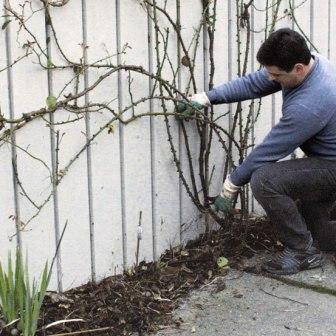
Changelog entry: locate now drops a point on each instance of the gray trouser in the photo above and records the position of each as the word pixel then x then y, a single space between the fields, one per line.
pixel 298 196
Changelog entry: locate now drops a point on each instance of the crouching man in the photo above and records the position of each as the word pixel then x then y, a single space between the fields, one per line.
pixel 297 195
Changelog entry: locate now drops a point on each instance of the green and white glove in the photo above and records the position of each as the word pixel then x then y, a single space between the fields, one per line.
pixel 196 103
pixel 224 202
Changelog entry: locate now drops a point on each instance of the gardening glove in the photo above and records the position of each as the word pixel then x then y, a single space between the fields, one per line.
pixel 224 202
pixel 197 102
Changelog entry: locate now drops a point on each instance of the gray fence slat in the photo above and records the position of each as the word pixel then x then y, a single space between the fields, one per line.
pixel 88 149
pixel 121 137
pixel 13 137
pixel 53 167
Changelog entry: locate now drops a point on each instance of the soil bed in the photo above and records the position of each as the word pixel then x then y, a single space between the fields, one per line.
pixel 143 300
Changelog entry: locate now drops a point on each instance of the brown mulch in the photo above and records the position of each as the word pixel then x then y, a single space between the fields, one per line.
pixel 143 301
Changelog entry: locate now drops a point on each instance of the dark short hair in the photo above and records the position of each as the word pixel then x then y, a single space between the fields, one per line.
pixel 284 48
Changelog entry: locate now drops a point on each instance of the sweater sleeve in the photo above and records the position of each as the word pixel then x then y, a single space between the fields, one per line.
pixel 297 125
pixel 254 85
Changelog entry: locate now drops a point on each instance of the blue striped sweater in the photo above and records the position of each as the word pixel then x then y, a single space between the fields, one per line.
pixel 308 116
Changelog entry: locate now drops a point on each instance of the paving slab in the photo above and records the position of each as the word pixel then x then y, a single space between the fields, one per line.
pixel 242 303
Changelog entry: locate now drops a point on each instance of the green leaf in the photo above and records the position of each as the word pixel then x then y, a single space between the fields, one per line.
pixel 77 69
pixel 51 102
pixel 222 262
pixel 6 23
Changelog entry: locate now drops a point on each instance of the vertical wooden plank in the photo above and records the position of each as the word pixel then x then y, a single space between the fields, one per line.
pixel 105 150
pixel 329 28
pixel 311 21
pixel 332 29
pixel 247 62
pixel 236 55
pixel 303 23
pixel 264 111
pixel 179 86
pixel 283 21
pixel 264 118
pixel 229 52
pixel 167 182
pixel 12 139
pixel 73 189
pixel 53 139
pixel 121 136
pixel 320 26
pixel 192 223
pixel 137 164
pixel 32 146
pixel 7 205
pixel 150 51
pixel 221 59
pixel 88 136
pixel 252 200
pixel 248 107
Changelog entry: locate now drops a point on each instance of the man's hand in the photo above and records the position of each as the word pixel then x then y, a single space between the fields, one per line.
pixel 184 110
pixel 197 103
pixel 224 202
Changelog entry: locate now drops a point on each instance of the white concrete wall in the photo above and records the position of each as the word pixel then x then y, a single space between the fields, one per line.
pixel 131 169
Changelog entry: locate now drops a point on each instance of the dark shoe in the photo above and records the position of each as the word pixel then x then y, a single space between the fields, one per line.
pixel 291 261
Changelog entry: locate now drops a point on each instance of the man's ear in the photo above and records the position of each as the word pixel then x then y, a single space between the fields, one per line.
pixel 299 68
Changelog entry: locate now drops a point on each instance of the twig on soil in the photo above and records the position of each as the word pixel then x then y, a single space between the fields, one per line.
pixel 83 331
pixel 210 283
pixel 181 261
pixel 284 298
pixel 249 247
pixel 61 322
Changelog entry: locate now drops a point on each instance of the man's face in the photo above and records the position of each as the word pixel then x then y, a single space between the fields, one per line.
pixel 285 79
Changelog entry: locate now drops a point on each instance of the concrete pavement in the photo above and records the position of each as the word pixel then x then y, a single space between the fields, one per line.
pixel 241 303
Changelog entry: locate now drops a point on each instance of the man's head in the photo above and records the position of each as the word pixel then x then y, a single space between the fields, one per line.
pixel 286 57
